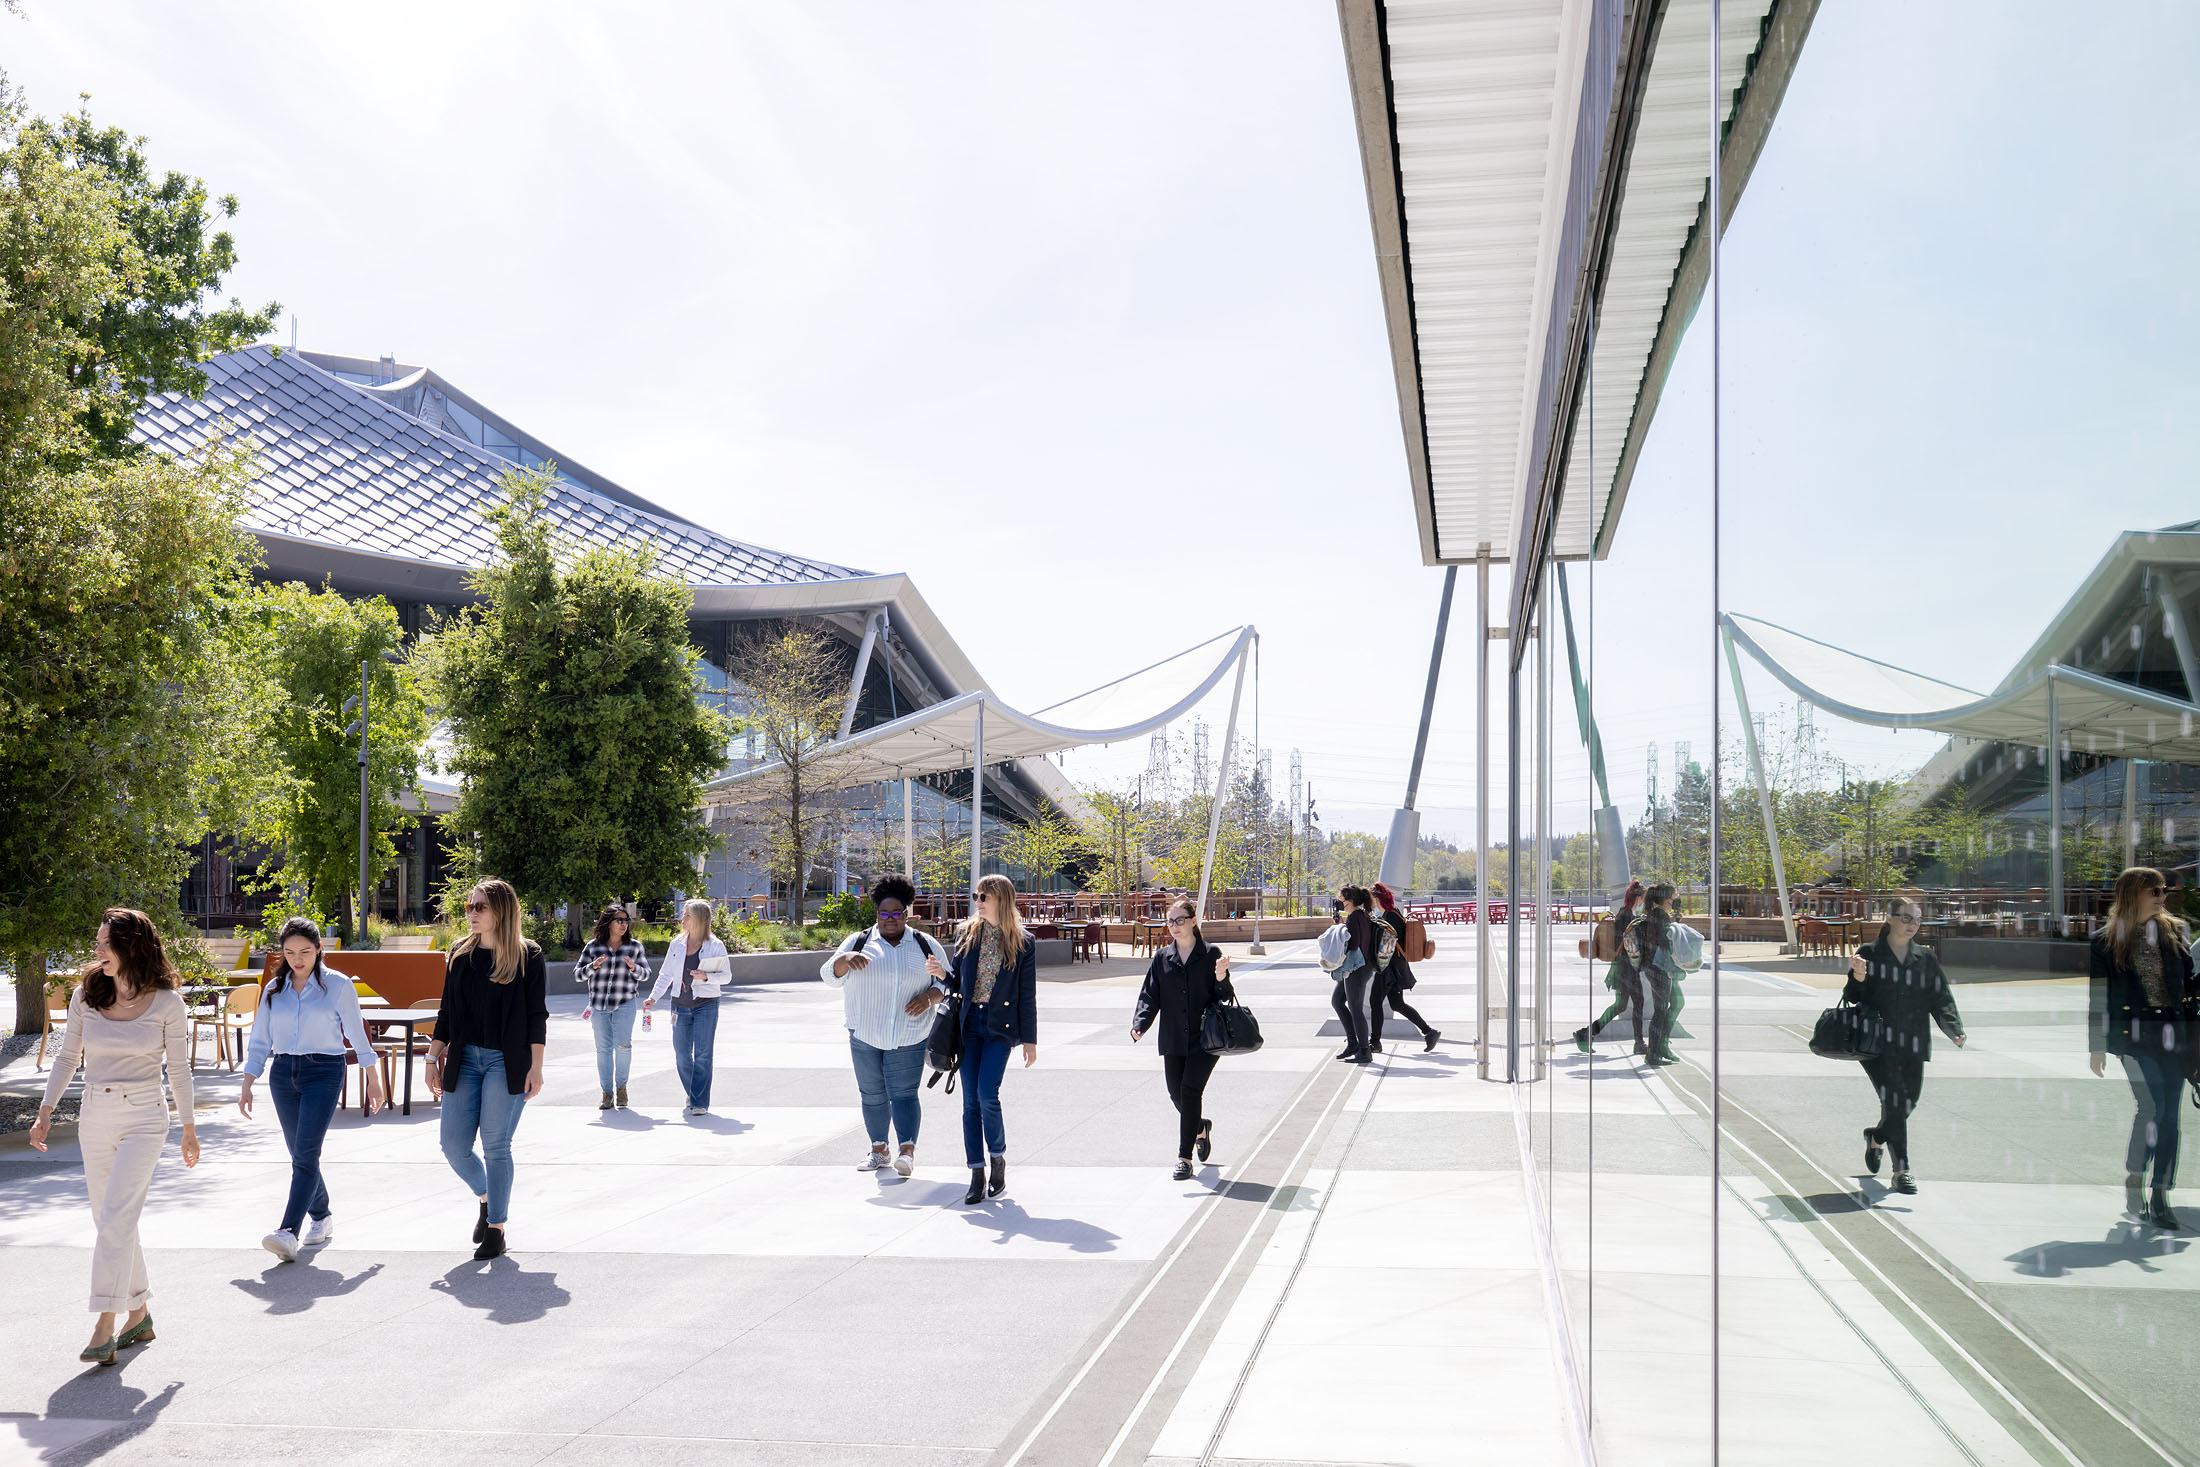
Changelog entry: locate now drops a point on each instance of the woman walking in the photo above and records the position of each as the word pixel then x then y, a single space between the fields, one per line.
pixel 1349 996
pixel 1181 981
pixel 613 966
pixel 1390 985
pixel 694 1016
pixel 995 978
pixel 1648 947
pixel 887 999
pixel 2143 1003
pixel 125 1023
pixel 486 1056
pixel 1620 977
pixel 307 1011
pixel 1902 985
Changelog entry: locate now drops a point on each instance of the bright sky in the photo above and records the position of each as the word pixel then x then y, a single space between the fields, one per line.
pixel 1070 312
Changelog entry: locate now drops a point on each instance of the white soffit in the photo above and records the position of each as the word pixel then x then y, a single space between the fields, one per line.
pixel 1483 94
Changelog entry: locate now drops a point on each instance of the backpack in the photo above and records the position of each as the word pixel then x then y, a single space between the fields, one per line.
pixel 1331 946
pixel 1416 948
pixel 1686 945
pixel 1604 946
pixel 925 944
pixel 1386 944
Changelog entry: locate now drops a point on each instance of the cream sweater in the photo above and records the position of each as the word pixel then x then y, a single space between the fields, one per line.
pixel 127 1051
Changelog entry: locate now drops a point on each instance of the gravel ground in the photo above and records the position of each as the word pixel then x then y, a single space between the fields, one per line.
pixel 18 1111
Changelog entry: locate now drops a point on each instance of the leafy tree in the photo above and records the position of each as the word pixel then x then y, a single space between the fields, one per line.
pixel 569 695
pixel 1042 847
pixel 1352 858
pixel 313 645
pixel 795 683
pixel 1871 818
pixel 1116 833
pixel 943 852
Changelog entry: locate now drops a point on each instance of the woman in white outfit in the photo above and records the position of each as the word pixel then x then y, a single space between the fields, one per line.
pixel 125 1019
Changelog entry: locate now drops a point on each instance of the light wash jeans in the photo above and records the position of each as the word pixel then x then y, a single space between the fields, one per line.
pixel 481 1102
pixel 694 1048
pixel 614 1029
pixel 887 1080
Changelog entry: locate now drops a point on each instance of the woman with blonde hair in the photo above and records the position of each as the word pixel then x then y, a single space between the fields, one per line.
pixel 486 1056
pixel 694 1013
pixel 996 980
pixel 125 1024
pixel 2143 1003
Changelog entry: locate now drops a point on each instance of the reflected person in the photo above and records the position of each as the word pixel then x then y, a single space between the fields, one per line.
pixel 2141 1008
pixel 1648 948
pixel 1900 983
pixel 1620 977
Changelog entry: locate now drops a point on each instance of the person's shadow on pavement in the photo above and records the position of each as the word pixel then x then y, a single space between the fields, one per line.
pixel 102 1393
pixel 1011 1221
pixel 504 1291
pixel 2125 1243
pixel 293 1288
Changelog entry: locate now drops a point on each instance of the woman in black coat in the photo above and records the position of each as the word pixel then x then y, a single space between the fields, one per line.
pixel 1357 977
pixel 1390 985
pixel 2143 1001
pixel 1181 981
pixel 1901 984
pixel 995 979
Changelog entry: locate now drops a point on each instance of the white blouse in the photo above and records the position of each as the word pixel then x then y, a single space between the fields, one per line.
pixel 127 1051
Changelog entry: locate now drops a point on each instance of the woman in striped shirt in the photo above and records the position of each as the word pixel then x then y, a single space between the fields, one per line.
pixel 613 966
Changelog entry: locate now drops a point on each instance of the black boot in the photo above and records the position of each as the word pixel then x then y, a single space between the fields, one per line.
pixel 1348 1052
pixel 492 1246
pixel 999 1184
pixel 976 1194
pixel 2159 1213
pixel 1581 1041
pixel 1428 1040
pixel 481 1223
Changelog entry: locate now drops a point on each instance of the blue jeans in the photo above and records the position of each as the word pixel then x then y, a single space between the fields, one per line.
pixel 887 1079
pixel 984 1062
pixel 480 1101
pixel 614 1044
pixel 306 1089
pixel 2157 1088
pixel 694 1042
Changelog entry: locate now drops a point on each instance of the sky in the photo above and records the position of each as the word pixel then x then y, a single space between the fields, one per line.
pixel 1073 316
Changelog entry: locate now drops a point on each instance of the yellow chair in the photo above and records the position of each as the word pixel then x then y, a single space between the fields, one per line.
pixel 231 1014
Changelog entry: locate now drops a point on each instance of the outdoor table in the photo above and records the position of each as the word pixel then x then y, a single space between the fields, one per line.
pixel 384 1018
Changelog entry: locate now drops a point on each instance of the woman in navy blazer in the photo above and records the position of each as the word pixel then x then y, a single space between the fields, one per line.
pixel 996 980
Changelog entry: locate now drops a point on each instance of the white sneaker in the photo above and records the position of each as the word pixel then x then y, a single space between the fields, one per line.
pixel 320 1231
pixel 905 1163
pixel 283 1243
pixel 873 1162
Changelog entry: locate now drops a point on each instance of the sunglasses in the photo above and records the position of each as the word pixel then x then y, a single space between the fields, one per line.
pixel 1178 921
pixel 472 907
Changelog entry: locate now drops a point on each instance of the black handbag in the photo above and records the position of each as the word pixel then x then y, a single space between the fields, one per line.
pixel 943 1051
pixel 1847 1032
pixel 1228 1027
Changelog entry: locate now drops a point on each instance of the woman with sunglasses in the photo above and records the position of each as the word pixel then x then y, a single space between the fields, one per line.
pixel 613 966
pixel 125 1025
pixel 1901 984
pixel 995 978
pixel 694 1015
pixel 1181 981
pixel 2143 1003
pixel 486 1056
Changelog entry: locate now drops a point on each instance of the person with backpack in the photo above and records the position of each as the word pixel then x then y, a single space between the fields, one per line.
pixel 1355 973
pixel 888 998
pixel 1390 985
pixel 1648 945
pixel 1183 979
pixel 1619 975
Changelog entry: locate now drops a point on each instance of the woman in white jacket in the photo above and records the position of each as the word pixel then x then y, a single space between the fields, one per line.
pixel 694 1016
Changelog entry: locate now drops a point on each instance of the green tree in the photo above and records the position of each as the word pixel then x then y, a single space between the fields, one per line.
pixel 943 852
pixel 1871 818
pixel 1042 847
pixel 569 693
pixel 313 645
pixel 1351 858
pixel 794 685
pixel 1116 833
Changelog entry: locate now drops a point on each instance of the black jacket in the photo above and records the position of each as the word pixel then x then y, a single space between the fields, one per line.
pixel 1175 997
pixel 1362 928
pixel 1012 1013
pixel 1908 997
pixel 2117 1007
pixel 512 1017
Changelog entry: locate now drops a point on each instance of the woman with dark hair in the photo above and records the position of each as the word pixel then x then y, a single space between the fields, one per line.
pixel 613 966
pixel 887 999
pixel 1621 977
pixel 125 1023
pixel 307 1011
pixel 1349 997
pixel 1181 981
pixel 1902 986
pixel 2144 999
pixel 1648 948
pixel 1390 985
pixel 995 978
pixel 486 1056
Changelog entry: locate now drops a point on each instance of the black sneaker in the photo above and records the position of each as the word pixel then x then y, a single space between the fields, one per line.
pixel 1428 1040
pixel 1872 1152
pixel 1348 1052
pixel 2160 1214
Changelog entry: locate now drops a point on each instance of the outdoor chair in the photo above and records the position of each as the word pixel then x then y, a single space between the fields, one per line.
pixel 230 1013
pixel 56 1020
pixel 1092 943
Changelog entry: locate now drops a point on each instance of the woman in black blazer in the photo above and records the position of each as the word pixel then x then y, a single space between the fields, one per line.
pixel 2143 1002
pixel 1900 982
pixel 486 1056
pixel 1181 981
pixel 996 981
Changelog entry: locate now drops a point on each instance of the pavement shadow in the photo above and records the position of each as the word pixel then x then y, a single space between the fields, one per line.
pixel 720 1125
pixel 293 1288
pixel 1004 1217
pixel 104 1393
pixel 2126 1242
pixel 504 1291
pixel 627 1120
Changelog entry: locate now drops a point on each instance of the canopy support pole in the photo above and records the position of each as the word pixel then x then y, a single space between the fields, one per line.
pixel 1222 786
pixel 2131 813
pixel 863 666
pixel 1483 948
pixel 977 809
pixel 1764 790
pixel 2055 922
pixel 1404 842
pixel 908 828
pixel 1260 882
pixel 2181 639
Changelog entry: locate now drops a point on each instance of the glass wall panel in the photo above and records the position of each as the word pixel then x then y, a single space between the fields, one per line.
pixel 1960 412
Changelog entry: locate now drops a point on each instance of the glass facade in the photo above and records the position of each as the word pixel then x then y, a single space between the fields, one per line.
pixel 1923 417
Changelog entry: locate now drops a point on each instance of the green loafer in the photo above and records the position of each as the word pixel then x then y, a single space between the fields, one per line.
pixel 99 1354
pixel 140 1333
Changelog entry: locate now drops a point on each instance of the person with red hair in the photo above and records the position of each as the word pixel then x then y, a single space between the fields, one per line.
pixel 1621 978
pixel 1390 985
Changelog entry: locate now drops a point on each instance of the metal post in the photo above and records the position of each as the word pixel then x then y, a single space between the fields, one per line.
pixel 977 809
pixel 1512 866
pixel 1405 823
pixel 863 666
pixel 909 828
pixel 1544 743
pixel 2131 813
pixel 1222 785
pixel 2181 639
pixel 1482 944
pixel 2055 921
pixel 359 927
pixel 1764 792
pixel 1260 881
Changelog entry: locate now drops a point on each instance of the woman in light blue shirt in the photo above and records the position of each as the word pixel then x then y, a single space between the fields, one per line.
pixel 306 1013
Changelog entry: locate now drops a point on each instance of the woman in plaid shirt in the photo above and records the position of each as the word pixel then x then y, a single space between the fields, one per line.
pixel 613 966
